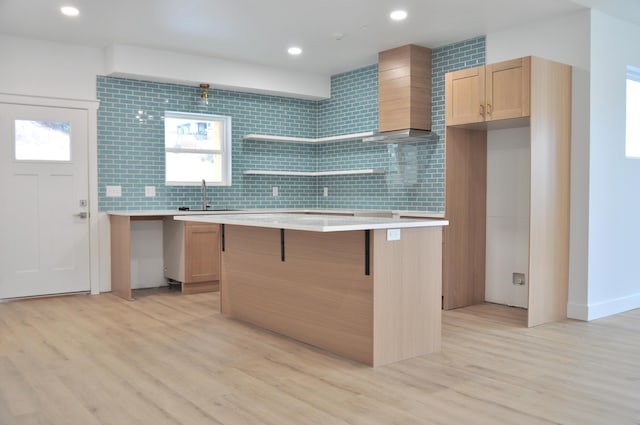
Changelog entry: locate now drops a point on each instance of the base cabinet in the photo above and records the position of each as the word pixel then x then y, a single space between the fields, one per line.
pixel 192 255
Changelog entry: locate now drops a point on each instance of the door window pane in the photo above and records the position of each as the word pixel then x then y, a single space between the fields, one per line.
pixel 42 140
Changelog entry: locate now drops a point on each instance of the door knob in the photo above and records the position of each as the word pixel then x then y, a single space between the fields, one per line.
pixel 82 214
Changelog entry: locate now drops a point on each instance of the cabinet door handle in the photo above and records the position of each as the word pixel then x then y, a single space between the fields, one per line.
pixel 482 110
pixel 488 109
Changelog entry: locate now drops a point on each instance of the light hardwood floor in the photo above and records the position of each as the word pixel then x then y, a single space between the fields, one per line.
pixel 171 359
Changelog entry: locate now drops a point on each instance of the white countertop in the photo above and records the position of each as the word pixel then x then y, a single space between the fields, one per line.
pixel 313 222
pixel 354 212
pixel 168 213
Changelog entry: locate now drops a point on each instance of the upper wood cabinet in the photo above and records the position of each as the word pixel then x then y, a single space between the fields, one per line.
pixel 488 93
pixel 464 96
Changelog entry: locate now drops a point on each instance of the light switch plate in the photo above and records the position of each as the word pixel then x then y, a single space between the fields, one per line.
pixel 150 191
pixel 325 191
pixel 393 234
pixel 275 191
pixel 114 191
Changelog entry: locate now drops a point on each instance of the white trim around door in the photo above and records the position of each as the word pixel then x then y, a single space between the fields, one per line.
pixel 91 107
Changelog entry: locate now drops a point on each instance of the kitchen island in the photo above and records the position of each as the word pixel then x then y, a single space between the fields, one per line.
pixel 366 288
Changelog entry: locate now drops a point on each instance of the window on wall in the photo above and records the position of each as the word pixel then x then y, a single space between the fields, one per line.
pixel 197 147
pixel 633 113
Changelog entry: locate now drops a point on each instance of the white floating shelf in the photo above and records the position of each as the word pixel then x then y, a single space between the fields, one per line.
pixel 312 173
pixel 341 138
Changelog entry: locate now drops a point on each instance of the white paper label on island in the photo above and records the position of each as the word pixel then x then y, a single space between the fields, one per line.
pixel 393 234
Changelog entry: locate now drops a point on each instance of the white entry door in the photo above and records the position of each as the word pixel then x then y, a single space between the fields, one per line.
pixel 44 225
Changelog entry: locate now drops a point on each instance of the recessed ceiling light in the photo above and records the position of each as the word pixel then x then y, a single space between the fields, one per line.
pixel 69 11
pixel 398 15
pixel 294 51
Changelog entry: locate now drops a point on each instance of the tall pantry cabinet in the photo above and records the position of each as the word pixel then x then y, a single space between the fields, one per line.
pixel 530 92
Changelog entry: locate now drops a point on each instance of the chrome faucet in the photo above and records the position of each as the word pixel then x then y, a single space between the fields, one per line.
pixel 204 195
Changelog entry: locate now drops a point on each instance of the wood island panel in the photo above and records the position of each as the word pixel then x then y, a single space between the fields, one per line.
pixel 318 295
pixel 321 295
pixel 407 291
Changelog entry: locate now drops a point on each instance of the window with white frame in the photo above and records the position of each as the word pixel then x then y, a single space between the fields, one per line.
pixel 632 149
pixel 197 147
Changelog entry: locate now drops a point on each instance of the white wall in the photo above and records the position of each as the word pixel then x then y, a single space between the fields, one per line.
pixel 614 208
pixel 48 69
pixel 164 66
pixel 42 68
pixel 508 183
pixel 564 39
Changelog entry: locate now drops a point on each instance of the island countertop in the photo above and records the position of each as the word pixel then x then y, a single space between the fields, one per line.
pixel 336 211
pixel 313 222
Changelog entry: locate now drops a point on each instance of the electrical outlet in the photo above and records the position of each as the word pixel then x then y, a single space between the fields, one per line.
pixel 150 191
pixel 517 279
pixel 275 191
pixel 325 191
pixel 114 191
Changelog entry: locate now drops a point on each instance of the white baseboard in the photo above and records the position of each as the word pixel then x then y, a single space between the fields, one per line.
pixel 603 309
pixel 578 311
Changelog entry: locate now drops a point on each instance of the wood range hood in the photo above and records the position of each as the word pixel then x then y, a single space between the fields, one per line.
pixel 404 95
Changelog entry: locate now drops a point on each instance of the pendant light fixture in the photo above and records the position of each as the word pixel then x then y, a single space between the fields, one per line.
pixel 204 96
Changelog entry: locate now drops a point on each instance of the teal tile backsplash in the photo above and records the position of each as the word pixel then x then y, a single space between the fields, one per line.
pixel 353 106
pixel 131 152
pixel 414 178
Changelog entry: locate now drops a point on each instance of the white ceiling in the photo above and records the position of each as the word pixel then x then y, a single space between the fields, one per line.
pixel 259 31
